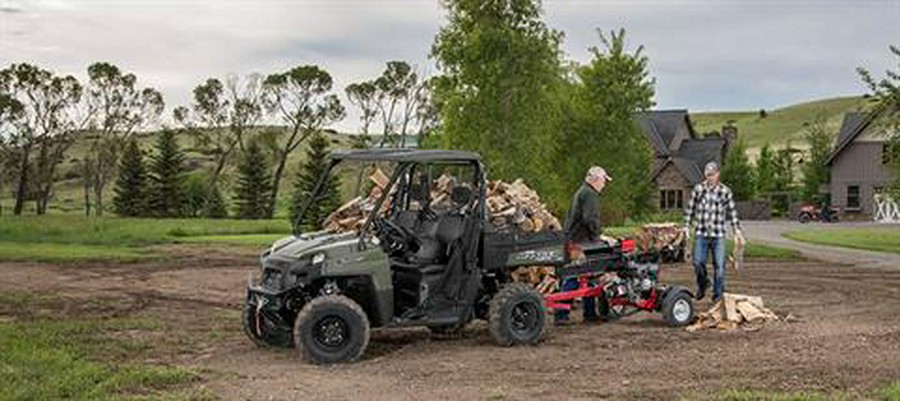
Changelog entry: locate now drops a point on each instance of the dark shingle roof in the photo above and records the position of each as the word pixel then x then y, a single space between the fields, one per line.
pixel 660 126
pixel 854 123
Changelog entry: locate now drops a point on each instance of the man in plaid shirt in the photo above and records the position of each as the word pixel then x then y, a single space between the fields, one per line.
pixel 710 206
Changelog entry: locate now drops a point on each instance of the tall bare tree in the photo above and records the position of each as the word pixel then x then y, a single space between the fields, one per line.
pixel 117 108
pixel 301 98
pixel 219 119
pixel 40 118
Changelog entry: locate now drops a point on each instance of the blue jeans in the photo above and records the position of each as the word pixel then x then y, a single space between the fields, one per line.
pixel 590 307
pixel 702 247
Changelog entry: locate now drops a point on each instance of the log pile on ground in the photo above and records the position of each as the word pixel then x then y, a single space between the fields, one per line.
pixel 734 311
pixel 663 239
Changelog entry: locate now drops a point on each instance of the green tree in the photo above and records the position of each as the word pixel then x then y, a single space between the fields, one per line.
pixel 765 170
pixel 167 177
pixel 499 88
pixel 738 174
pixel 38 113
pixel 195 194
pixel 214 203
pixel 131 184
pixel 887 95
pixel 329 198
pixel 302 100
pixel 815 168
pixel 220 116
pixel 600 128
pixel 117 108
pixel 254 184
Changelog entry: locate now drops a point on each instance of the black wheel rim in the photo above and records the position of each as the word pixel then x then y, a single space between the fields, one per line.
pixel 331 332
pixel 524 317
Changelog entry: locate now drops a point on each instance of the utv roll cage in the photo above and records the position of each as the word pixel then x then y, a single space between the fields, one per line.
pixel 404 158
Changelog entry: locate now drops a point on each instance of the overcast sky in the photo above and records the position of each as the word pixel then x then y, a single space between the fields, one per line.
pixel 706 55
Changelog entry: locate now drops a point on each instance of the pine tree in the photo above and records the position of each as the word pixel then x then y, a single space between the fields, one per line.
pixel 167 179
pixel 815 169
pixel 215 204
pixel 738 174
pixel 311 169
pixel 765 170
pixel 131 185
pixel 254 184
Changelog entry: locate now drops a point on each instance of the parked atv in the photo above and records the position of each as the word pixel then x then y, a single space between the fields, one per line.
pixel 410 264
pixel 825 214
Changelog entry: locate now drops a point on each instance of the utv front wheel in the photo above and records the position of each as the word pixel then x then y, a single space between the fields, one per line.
pixel 517 315
pixel 331 329
pixel 262 331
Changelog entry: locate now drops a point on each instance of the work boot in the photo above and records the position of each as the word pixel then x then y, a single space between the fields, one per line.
pixel 701 291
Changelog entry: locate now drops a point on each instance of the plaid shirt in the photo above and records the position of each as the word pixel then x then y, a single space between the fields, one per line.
pixel 710 207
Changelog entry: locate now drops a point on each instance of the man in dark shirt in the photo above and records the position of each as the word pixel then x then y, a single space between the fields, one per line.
pixel 583 226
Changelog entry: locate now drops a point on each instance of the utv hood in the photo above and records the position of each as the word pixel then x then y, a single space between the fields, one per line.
pixel 300 245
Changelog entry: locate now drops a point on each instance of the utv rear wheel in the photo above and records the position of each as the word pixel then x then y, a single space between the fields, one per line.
pixel 331 329
pixel 517 315
pixel 678 308
pixel 263 332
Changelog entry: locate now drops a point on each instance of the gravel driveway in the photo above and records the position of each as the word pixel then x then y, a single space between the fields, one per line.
pixel 770 233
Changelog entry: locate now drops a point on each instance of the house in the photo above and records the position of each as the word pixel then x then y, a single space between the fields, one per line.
pixel 858 163
pixel 680 153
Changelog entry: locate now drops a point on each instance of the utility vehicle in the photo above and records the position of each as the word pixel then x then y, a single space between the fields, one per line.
pixel 411 263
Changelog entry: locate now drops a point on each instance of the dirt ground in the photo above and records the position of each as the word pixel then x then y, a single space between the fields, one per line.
pixel 844 335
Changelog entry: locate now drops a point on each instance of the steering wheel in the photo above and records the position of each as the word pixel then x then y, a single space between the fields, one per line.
pixel 394 238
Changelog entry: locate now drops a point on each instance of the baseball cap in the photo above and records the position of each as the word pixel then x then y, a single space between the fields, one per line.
pixel 598 172
pixel 711 168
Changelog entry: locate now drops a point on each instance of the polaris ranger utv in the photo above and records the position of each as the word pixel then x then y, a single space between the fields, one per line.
pixel 411 263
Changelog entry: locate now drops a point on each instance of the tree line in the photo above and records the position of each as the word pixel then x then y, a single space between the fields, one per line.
pixel 230 121
pixel 503 87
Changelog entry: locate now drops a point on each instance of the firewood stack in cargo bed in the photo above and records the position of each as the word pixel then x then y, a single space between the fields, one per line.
pixel 509 205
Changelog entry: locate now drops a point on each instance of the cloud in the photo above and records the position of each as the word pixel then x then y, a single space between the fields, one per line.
pixel 705 54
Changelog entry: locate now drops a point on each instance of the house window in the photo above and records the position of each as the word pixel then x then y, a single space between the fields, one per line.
pixel 853 197
pixel 671 199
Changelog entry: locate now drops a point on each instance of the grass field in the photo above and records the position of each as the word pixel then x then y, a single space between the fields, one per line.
pixel 884 239
pixel 49 360
pixel 73 238
pixel 780 125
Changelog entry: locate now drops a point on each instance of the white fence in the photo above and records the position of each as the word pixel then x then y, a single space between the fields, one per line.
pixel 886 209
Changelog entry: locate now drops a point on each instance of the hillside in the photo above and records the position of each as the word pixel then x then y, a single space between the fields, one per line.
pixel 780 125
pixel 69 195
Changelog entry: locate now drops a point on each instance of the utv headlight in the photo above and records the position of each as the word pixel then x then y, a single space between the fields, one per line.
pixel 318 258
